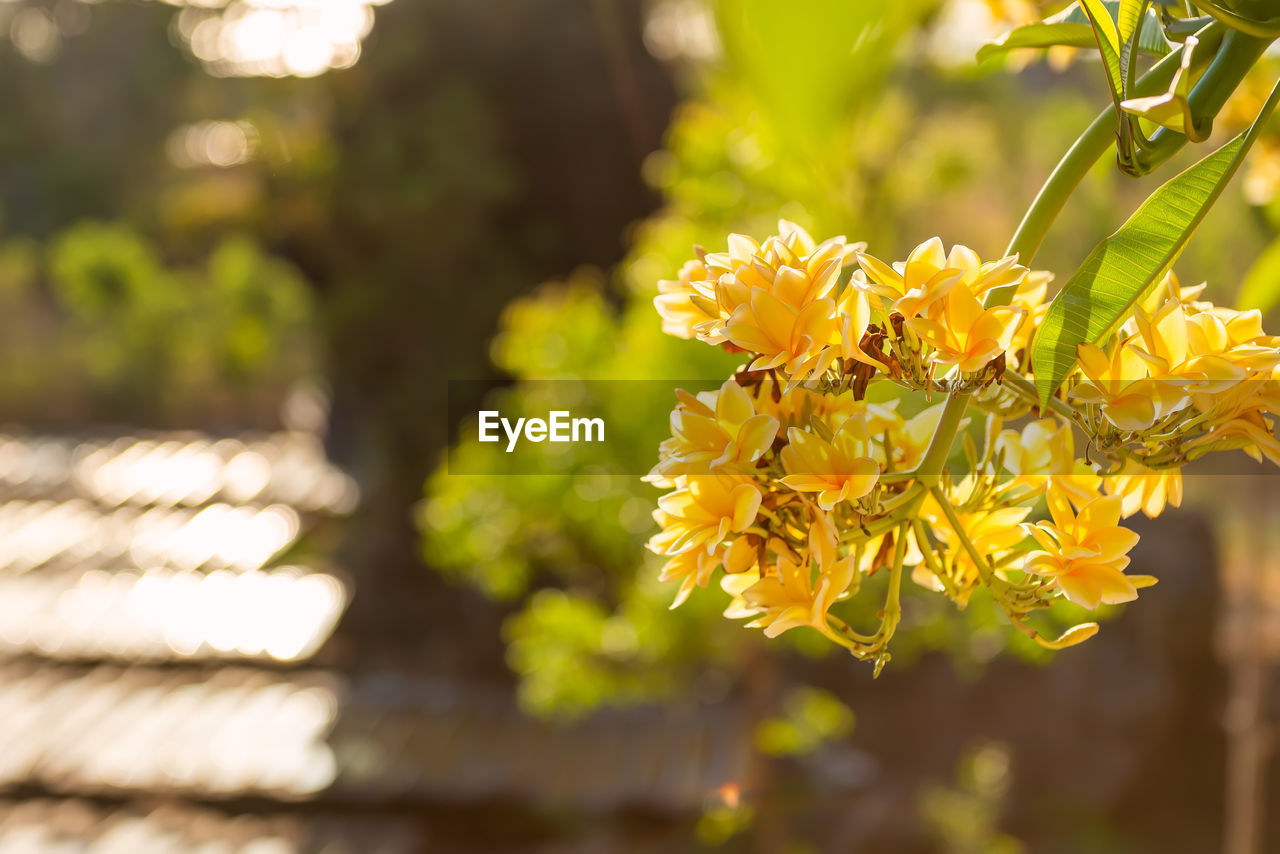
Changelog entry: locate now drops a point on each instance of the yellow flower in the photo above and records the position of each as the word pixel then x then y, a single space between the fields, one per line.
pixel 1145 489
pixel 1242 419
pixel 797 342
pixel 915 286
pixel 712 431
pixel 787 596
pixel 680 303
pixel 853 317
pixel 1043 457
pixel 703 511
pixel 839 470
pixel 1121 386
pixel 912 440
pixel 1043 447
pixel 1085 553
pixel 693 568
pixel 965 334
pixel 1165 344
pixel 1031 298
pixel 790 267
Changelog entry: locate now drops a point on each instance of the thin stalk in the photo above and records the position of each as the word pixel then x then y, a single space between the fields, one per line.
pixel 980 562
pixel 1075 164
pixel 929 471
pixel 931 557
pixel 1020 385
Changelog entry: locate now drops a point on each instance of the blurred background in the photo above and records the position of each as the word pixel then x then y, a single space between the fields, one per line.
pixel 244 247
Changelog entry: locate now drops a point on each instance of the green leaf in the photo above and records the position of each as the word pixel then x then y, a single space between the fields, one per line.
pixel 1126 27
pixel 1261 287
pixel 1122 268
pixel 1072 29
pixel 1257 18
pixel 1042 34
pixel 1172 109
pixel 1108 37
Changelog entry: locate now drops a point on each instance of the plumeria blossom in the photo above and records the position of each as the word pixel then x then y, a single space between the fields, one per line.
pixel 1141 488
pixel 681 313
pixel 694 567
pixel 914 287
pixel 703 511
pixel 798 477
pixel 939 295
pixel 991 532
pixel 787 596
pixel 1030 298
pixel 1042 457
pixel 838 470
pixel 796 341
pixel 790 266
pixel 1085 553
pixel 965 334
pixel 1119 384
pixel 1177 356
pixel 713 431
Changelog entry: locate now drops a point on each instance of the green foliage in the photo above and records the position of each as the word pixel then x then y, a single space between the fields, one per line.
pixel 809 717
pixel 1261 286
pixel 1071 28
pixel 1124 267
pixel 965 817
pixel 98 327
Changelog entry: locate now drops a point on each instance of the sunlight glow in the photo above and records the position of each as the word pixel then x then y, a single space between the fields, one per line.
pixel 275 38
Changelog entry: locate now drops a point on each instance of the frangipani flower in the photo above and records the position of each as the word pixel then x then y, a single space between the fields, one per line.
pixel 1145 489
pixel 1085 553
pixel 911 442
pixel 913 287
pixel 714 430
pixel 787 596
pixel 1164 343
pixel 797 342
pixel 693 568
pixel 992 531
pixel 1030 297
pixel 773 480
pixel 839 470
pixel 1242 420
pixel 682 307
pixel 1120 385
pixel 703 511
pixel 790 267
pixel 965 334
pixel 1043 447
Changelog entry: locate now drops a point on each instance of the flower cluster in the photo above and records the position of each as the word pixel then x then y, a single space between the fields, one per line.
pixel 793 484
pixel 1182 378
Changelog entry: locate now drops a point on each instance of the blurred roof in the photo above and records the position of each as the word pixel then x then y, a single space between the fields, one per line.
pixel 154 547
pixel 75 826
pixel 235 732
pixel 148 612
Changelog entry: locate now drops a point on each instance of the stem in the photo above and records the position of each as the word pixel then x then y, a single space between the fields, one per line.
pixel 931 557
pixel 1237 54
pixel 980 562
pixel 1070 171
pixel 892 606
pixel 888 523
pixel 929 471
pixel 1022 386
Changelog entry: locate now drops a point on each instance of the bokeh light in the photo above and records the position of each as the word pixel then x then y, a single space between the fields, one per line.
pixel 275 38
